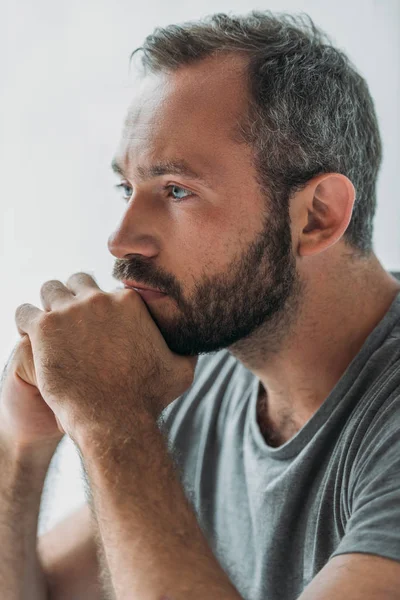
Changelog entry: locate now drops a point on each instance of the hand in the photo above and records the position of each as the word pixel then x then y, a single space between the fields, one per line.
pixel 26 421
pixel 100 359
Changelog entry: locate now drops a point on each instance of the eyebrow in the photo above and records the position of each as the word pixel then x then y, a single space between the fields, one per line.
pixel 167 167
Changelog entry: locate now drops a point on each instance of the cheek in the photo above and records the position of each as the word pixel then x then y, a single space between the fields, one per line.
pixel 191 259
pixel 206 241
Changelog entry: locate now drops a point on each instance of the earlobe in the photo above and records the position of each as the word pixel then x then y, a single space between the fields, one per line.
pixel 327 206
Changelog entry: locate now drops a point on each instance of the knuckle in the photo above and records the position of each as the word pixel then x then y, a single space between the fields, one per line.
pixel 48 285
pixel 77 277
pixel 21 309
pixel 98 299
pixel 82 278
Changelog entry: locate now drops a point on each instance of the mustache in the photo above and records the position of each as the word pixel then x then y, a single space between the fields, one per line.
pixel 139 271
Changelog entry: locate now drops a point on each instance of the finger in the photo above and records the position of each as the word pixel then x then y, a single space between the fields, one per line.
pixel 26 316
pixel 54 294
pixel 60 427
pixel 82 282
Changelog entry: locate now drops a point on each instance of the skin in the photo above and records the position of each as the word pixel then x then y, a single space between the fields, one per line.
pixel 310 308
pixel 306 302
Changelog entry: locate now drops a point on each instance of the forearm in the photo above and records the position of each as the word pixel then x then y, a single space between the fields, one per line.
pixel 152 542
pixel 21 483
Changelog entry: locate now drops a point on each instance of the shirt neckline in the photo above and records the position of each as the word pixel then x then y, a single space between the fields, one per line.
pixel 296 443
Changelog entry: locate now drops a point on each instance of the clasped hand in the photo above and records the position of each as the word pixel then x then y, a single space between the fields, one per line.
pixel 101 362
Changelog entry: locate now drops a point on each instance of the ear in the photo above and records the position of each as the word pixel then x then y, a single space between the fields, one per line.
pixel 321 212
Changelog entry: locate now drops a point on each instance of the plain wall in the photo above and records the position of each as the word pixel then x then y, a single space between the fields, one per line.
pixel 65 87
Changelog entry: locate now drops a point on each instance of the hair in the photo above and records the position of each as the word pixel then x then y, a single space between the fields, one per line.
pixel 309 110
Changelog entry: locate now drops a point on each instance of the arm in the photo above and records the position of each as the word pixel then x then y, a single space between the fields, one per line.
pixel 366 564
pixel 71 566
pixel 70 562
pixel 69 558
pixel 356 577
pixel 61 564
pixel 152 542
pixel 137 496
pixel 21 483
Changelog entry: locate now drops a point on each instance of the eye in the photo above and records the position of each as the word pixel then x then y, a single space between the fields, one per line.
pixel 176 189
pixel 124 186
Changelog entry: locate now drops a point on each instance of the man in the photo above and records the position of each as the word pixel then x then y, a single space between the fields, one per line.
pixel 248 161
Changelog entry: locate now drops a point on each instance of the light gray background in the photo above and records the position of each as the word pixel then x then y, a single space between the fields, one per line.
pixel 65 87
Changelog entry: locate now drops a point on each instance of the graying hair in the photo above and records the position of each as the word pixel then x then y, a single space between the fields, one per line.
pixel 309 112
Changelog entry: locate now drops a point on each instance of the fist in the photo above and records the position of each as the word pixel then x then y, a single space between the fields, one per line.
pixel 25 418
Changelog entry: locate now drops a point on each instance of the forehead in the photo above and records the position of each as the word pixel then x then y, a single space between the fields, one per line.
pixel 191 113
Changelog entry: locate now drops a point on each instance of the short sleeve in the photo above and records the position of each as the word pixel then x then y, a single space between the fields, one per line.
pixel 373 526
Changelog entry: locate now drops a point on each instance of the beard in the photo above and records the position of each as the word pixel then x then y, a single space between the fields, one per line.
pixel 248 309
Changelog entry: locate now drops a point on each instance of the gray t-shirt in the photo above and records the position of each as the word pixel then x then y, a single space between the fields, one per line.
pixel 275 516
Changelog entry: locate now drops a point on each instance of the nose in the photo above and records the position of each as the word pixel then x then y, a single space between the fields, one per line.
pixel 133 235
pixel 122 243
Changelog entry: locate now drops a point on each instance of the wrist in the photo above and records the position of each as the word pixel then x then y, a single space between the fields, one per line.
pixel 31 454
pixel 94 439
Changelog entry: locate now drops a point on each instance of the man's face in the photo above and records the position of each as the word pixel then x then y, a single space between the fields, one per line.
pixel 224 259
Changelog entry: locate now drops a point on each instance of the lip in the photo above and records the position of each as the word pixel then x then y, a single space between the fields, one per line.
pixel 147 294
pixel 132 284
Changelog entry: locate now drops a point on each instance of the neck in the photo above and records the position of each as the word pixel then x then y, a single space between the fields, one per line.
pixel 333 320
